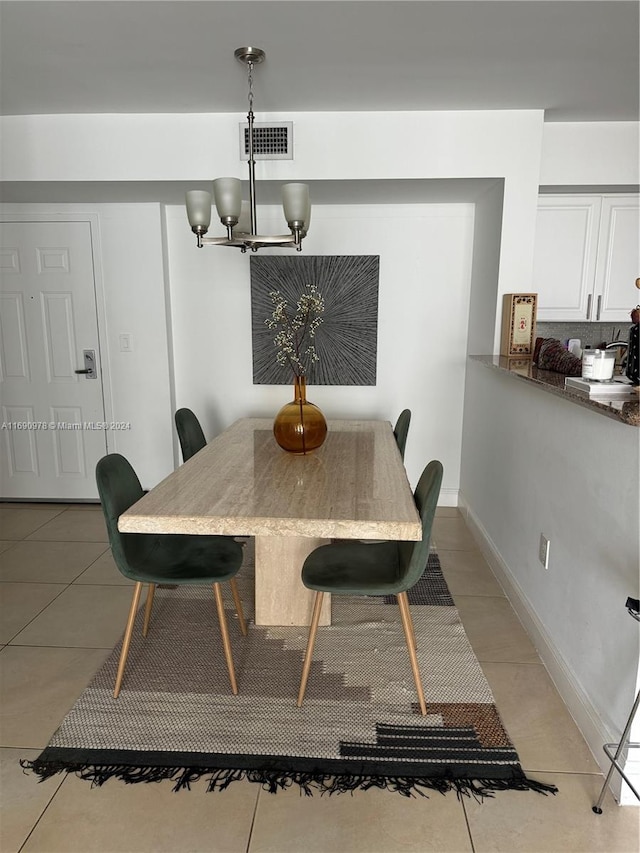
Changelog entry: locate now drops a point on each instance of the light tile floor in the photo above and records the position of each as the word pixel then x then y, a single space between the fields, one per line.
pixel 63 607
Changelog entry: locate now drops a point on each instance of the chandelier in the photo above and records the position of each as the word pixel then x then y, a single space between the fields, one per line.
pixel 238 216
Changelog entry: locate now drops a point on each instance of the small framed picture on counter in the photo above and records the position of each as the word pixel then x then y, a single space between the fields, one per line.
pixel 518 324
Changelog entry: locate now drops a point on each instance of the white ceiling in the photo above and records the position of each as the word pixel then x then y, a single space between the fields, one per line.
pixel 576 60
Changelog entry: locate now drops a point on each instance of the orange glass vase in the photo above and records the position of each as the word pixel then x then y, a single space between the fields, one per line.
pixel 300 427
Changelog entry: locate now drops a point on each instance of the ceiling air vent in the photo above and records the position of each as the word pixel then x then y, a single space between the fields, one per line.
pixel 272 141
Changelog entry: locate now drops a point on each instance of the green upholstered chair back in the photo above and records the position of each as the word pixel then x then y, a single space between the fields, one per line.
pixel 190 433
pixel 119 488
pixel 414 555
pixel 401 429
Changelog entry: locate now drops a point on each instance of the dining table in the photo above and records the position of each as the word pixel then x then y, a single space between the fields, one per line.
pixel 243 484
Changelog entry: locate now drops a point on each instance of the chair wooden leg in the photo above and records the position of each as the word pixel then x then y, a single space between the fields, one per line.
pixel 238 603
pixel 308 657
pixel 126 642
pixel 403 604
pixel 413 630
pixel 147 610
pixel 225 637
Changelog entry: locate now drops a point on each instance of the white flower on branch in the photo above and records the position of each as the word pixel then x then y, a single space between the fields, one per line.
pixel 295 331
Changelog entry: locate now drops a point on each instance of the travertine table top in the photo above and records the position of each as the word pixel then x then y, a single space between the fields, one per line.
pixel 353 487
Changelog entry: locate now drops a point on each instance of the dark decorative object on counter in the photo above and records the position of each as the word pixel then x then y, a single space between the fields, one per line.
pixel 550 354
pixel 633 350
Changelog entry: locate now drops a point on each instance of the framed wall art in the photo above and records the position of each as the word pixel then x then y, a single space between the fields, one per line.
pixel 346 339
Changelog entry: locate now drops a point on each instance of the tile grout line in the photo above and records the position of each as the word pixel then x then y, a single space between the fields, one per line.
pixel 24 538
pixel 55 598
pixel 41 815
pixel 253 821
pixel 466 819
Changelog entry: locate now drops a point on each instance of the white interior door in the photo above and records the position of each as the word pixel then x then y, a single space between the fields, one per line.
pixel 52 431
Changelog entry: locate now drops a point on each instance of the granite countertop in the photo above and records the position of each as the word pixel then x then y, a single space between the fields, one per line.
pixel 624 411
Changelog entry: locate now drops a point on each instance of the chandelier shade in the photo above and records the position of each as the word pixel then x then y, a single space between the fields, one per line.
pixel 295 201
pixel 240 217
pixel 227 193
pixel 199 209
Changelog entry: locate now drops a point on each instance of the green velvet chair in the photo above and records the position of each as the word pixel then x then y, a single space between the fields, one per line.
pixel 400 433
pixel 401 429
pixel 151 558
pixel 190 433
pixel 385 568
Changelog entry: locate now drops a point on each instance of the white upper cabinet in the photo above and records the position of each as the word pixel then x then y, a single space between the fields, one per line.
pixel 618 262
pixel 586 257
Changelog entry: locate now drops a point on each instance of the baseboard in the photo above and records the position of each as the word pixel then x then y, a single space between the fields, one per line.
pixel 591 725
pixel 632 770
pixel 448 497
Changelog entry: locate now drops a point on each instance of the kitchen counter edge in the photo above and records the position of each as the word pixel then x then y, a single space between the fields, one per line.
pixel 623 411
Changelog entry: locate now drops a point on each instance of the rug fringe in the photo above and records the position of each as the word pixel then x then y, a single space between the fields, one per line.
pixel 275 780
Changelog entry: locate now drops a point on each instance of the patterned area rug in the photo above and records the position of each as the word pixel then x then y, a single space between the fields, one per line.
pixel 360 724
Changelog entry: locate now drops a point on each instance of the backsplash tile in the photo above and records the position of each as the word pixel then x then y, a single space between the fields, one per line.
pixel 589 334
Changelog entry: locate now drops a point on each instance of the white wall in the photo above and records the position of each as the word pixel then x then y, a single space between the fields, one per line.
pixel 425 270
pixel 485 270
pixel 590 153
pixel 135 305
pixel 533 463
pixel 328 146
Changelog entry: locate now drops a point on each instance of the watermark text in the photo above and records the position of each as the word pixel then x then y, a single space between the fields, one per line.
pixel 35 426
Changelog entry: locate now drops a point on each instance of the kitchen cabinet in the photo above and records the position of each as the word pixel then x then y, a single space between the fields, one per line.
pixel 586 257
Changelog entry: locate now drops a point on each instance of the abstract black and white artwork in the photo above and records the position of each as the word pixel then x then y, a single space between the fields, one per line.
pixel 345 341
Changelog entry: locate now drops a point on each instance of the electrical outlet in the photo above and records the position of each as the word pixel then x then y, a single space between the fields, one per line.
pixel 543 553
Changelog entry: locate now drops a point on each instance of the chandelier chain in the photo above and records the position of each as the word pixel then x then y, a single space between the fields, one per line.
pixel 250 81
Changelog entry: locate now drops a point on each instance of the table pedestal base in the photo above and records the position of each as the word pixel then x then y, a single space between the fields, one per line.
pixel 281 598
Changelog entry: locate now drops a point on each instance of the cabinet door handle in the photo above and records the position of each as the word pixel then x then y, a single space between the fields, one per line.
pixel 588 306
pixel 598 308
